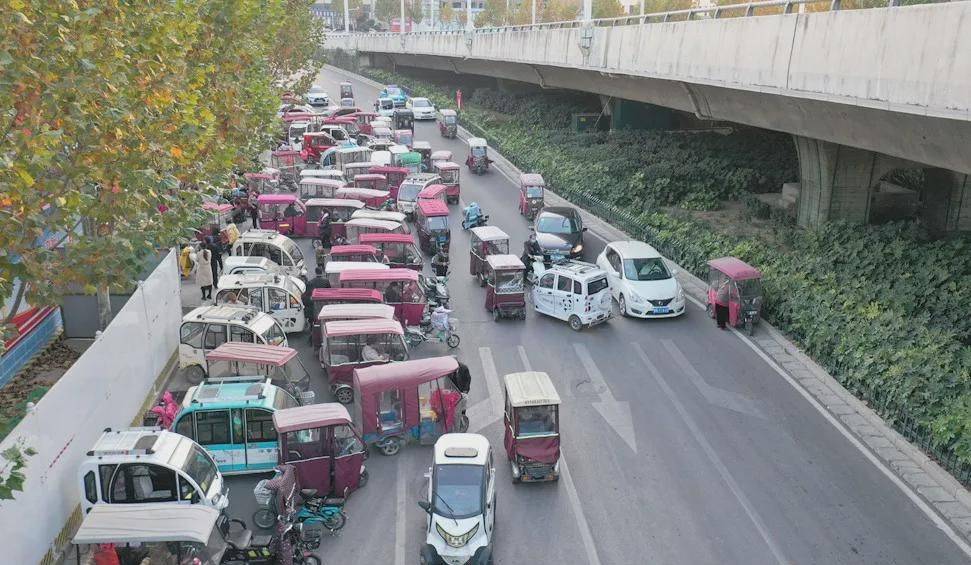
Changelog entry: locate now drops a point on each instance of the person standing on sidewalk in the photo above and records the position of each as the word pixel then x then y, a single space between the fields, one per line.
pixel 254 212
pixel 204 272
pixel 217 258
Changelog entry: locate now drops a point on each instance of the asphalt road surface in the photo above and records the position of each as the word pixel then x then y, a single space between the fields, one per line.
pixel 681 444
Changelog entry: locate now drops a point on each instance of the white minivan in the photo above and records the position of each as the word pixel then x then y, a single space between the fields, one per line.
pixel 574 291
pixel 276 294
pixel 461 504
pixel 640 281
pixel 207 327
pixel 274 246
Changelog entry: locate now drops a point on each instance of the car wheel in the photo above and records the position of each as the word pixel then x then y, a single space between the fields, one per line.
pixel 390 446
pixel 344 394
pixel 622 304
pixel 575 323
pixel 194 374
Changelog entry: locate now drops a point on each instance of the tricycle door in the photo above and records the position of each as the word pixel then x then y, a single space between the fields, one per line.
pixel 348 451
pixel 261 440
pixel 309 452
pixel 509 436
pixel 286 309
pixel 215 434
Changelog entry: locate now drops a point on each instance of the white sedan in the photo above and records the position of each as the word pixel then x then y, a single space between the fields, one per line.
pixel 640 282
pixel 422 108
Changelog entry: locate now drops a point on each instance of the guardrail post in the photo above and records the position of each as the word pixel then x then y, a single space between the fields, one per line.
pixel 401 22
pixel 788 8
pixel 534 11
pixel 642 7
pixel 749 11
pixel 347 17
pixel 834 5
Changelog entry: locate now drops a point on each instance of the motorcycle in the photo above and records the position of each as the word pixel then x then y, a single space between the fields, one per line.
pixel 267 550
pixel 416 335
pixel 315 512
pixel 436 291
pixel 473 217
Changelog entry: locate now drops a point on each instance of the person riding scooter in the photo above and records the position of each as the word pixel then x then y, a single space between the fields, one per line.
pixel 440 263
pixel 473 216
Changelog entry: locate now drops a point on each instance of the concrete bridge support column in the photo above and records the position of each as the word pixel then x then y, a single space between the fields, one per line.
pixel 836 181
pixel 947 201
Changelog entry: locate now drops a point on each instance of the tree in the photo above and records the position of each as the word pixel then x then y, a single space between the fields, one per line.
pixel 413 10
pixel 447 14
pixel 607 9
pixel 493 15
pixel 117 112
pixel 386 10
pixel 559 11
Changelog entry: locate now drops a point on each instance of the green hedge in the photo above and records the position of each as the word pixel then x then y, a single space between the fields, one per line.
pixel 882 308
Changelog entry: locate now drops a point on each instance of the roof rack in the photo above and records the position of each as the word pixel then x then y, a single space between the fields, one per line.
pixel 211 390
pixel 128 441
pixel 229 313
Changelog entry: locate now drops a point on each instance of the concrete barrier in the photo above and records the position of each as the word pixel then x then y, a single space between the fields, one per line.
pixel 108 386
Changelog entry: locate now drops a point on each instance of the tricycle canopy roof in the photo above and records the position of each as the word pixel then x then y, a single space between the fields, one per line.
pixel 501 262
pixel 147 523
pixel 360 311
pixel 530 388
pixel 446 165
pixel 386 215
pixel 339 266
pixel 735 268
pixel 432 191
pixel 370 326
pixel 433 208
pixel 353 191
pixel 379 275
pixel 378 378
pixel 335 203
pixel 338 250
pixel 367 238
pixel 477 142
pixel 361 294
pixel 441 155
pixel 310 416
pixel 276 355
pixel 489 233
pixel 448 112
pixel 532 179
pixel 385 169
pixel 370 176
pixel 421 145
pixel 214 207
pixel 372 223
pixel 321 181
pixel 277 198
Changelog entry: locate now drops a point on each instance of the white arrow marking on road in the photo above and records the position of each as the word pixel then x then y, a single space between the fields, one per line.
pixel 523 358
pixel 486 412
pixel 714 395
pixel 713 458
pixel 615 412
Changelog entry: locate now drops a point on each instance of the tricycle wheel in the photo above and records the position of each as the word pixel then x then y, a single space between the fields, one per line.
pixel 453 341
pixel 482 280
pixel 496 314
pixel 194 374
pixel 264 519
pixel 311 559
pixel 750 326
pixel 335 521
pixel 344 394
pixel 575 323
pixel 364 478
pixel 390 446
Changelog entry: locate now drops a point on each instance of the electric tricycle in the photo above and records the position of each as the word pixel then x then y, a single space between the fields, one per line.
pixel 734 293
pixel 532 418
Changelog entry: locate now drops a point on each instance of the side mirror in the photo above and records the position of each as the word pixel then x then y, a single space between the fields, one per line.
pixel 425 505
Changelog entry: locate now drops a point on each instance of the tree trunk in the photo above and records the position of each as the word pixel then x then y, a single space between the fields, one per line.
pixel 104 307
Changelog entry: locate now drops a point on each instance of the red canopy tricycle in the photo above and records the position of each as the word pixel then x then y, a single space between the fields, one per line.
pixel 506 292
pixel 531 418
pixel 352 344
pixel 734 293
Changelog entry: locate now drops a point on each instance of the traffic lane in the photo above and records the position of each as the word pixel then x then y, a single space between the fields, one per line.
pixel 880 525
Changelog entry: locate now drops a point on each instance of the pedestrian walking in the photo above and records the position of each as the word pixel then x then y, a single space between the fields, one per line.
pixel 204 274
pixel 254 213
pixel 217 258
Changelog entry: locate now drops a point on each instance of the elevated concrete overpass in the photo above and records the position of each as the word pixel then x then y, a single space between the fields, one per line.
pixel 862 91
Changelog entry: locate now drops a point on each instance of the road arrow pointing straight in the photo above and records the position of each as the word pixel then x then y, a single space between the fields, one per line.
pixel 615 412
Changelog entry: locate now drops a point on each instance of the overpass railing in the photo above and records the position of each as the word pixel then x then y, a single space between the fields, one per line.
pixel 748 9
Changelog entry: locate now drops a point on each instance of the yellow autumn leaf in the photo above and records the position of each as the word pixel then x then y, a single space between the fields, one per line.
pixel 176 152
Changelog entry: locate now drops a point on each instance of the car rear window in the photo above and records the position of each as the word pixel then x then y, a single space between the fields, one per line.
pixel 596 285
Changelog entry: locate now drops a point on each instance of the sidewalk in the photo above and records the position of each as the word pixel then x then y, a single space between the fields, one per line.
pixel 929 486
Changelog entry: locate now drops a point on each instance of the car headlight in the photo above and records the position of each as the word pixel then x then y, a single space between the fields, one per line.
pixel 634 297
pixel 578 248
pixel 680 294
pixel 456 541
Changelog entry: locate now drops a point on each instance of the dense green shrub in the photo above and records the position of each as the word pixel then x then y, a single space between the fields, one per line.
pixel 881 307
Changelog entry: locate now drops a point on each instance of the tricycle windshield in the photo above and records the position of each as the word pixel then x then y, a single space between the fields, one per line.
pixel 404 138
pixel 409 192
pixel 449 175
pixel 536 421
pixel 291 249
pixel 274 335
pixel 437 223
pixel 284 400
pixel 315 213
pixel 366 348
pixel 458 490
pixel 478 151
pixel 450 119
pixel 648 269
pixel 534 192
pixel 196 463
pixel 508 282
pixel 750 288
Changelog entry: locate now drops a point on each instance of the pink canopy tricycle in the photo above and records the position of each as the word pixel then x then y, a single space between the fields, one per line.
pixel 323 296
pixel 352 344
pixel 400 288
pixel 284 213
pixel 734 293
pixel 398 248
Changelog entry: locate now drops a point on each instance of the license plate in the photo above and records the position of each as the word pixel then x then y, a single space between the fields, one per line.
pixel 662 310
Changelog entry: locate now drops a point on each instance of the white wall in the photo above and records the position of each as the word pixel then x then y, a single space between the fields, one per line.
pixel 106 387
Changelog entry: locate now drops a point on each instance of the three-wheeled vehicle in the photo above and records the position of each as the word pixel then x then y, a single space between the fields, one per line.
pixel 219 223
pixel 478 160
pixel 352 170
pixel 364 120
pixel 400 288
pixel 734 293
pixel 338 210
pixel 351 154
pixel 289 163
pixel 532 420
pixel 448 123
pixel 439 156
pixel 323 296
pixel 398 249
pixel 394 175
pixel 485 241
pixel 353 254
pixel 433 192
pixel 424 149
pixel 323 174
pixel 412 400
pixel 506 291
pixel 333 269
pixel 407 195
pixel 352 344
pixel 410 160
pixel 264 182
pixel 531 188
pixel 355 227
pixel 279 363
pixel 284 213
pixel 355 311
pixel 404 137
pixel 431 225
pixel 347 91
pixel 380 133
pixel 276 247
pixel 371 198
pixel 449 173
pixel 316 143
pixel 402 119
pixel 371 181
pixel 315 187
pixel 386 215
pixel 278 295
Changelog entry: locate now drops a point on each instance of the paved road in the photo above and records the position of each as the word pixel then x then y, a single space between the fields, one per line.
pixel 682 445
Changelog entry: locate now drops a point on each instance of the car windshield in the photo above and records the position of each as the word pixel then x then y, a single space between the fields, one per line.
pixel 536 420
pixel 420 103
pixel 534 192
pixel 438 223
pixel 291 249
pixel 647 269
pixel 596 285
pixel 458 490
pixel 409 192
pixel 315 89
pixel 554 223
pixel 508 282
pixel 393 91
pixel 196 463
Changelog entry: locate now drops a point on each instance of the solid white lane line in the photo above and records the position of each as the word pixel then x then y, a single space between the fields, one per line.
pixel 401 503
pixel 712 456
pixel 492 379
pixel 571 491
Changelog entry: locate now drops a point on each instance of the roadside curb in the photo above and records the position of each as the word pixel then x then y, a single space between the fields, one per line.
pixel 920 478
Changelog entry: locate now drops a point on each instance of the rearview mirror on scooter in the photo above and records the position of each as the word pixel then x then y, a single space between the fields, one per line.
pixel 424 505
